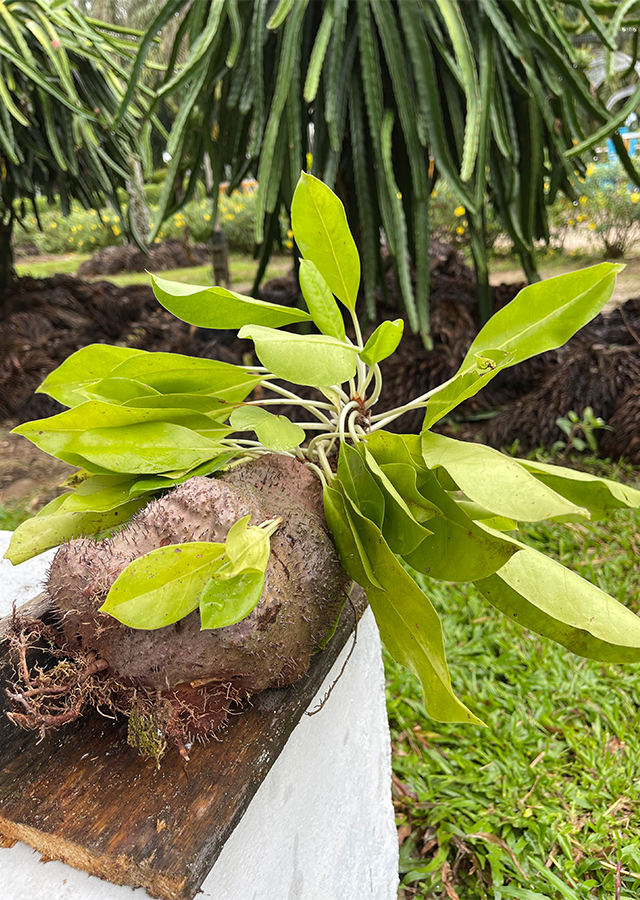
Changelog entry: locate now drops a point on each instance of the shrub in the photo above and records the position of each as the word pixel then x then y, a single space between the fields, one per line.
pixel 612 207
pixel 83 231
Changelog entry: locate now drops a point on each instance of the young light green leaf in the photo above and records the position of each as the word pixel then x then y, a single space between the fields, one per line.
pixel 540 594
pixel 226 602
pixel 163 586
pixel 599 495
pixel 480 514
pixel 320 301
pixel 246 548
pixel 99 493
pixel 321 231
pixel 316 360
pixel 216 307
pixel 82 368
pixel 274 432
pixel 383 342
pixel 409 625
pixel 360 485
pixel 45 531
pixel 496 482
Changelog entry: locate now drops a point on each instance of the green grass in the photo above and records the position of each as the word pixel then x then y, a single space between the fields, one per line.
pixel 545 801
pixel 242 268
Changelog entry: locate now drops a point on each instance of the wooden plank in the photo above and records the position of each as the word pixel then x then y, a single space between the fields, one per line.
pixel 85 797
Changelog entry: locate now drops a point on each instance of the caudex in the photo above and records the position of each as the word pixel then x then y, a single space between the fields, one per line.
pixel 225 579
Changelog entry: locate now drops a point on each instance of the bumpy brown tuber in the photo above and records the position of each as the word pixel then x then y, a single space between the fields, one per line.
pixel 180 680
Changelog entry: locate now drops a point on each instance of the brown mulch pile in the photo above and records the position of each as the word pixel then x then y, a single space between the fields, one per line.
pixel 51 318
pixel 129 258
pixel 599 367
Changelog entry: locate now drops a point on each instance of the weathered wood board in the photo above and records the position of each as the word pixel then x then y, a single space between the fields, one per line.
pixel 85 797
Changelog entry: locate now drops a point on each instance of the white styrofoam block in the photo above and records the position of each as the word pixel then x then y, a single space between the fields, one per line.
pixel 320 827
pixel 21 582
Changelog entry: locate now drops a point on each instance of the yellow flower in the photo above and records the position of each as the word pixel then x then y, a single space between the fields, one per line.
pixel 54 225
pixel 161 234
pixel 459 211
pixel 591 226
pixel 73 229
pixel 207 217
pixel 583 199
pixel 289 234
pixel 288 244
pixel 116 230
pixel 94 227
pixel 80 243
pixel 434 194
pixel 309 161
pixel 459 230
pixel 464 223
pixel 590 169
pixel 93 240
pixel 635 197
pixel 581 180
pixel 179 224
pixel 399 195
pixel 230 217
pixel 156 240
pixel 70 240
pixel 571 222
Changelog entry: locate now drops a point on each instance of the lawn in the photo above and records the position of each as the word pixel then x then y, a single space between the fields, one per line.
pixel 544 802
pixel 242 268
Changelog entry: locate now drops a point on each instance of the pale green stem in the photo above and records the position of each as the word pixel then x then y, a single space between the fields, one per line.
pixel 324 462
pixel 382 419
pixel 351 426
pixel 374 371
pixel 343 417
pixel 318 471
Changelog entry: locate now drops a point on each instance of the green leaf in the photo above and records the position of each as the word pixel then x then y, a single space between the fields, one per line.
pixel 496 482
pixel 75 429
pixel 349 547
pixel 320 301
pixel 480 514
pixel 45 531
pixel 145 448
pixel 383 342
pixel 409 625
pixel 99 493
pixel 275 432
pixel 173 373
pixel 542 595
pixel 360 485
pixel 464 385
pixel 163 586
pixel 541 317
pixel 216 307
pixel 202 403
pixel 321 231
pixel 400 528
pixel 226 602
pixel 545 315
pixel 599 495
pixel 82 368
pixel 150 483
pixel 315 360
pixel 457 546
pixel 118 390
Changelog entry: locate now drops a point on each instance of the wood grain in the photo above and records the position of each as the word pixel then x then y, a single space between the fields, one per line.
pixel 85 797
